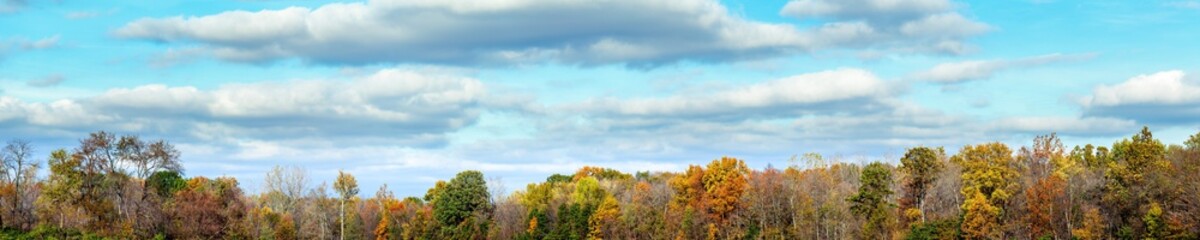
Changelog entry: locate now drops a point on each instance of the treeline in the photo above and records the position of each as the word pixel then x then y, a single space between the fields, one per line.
pixel 122 187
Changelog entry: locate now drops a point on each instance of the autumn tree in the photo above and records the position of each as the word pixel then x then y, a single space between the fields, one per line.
pixel 207 209
pixel 59 203
pixel 821 210
pixel 1132 178
pixel 1140 189
pixel 389 207
pixel 604 217
pixel 600 173
pixel 647 209
pixel 346 187
pixel 989 179
pixel 920 166
pixel 432 194
pixel 284 186
pixel 724 184
pixel 1182 210
pixel 588 192
pixel 509 218
pixel 1046 203
pixel 112 169
pixel 319 214
pixel 19 170
pixel 1092 227
pixel 688 200
pixel 769 195
pixel 871 202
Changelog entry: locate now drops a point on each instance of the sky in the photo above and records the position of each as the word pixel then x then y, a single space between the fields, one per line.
pixel 407 92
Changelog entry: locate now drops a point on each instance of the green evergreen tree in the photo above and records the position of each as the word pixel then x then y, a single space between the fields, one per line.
pixel 871 202
pixel 463 196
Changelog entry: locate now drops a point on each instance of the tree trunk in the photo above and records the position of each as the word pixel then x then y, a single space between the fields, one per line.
pixel 342 215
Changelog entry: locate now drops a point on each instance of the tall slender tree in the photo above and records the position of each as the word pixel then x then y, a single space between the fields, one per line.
pixel 346 187
pixel 19 168
pixel 920 166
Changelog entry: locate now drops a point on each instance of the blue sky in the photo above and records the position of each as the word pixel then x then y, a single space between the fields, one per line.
pixel 406 92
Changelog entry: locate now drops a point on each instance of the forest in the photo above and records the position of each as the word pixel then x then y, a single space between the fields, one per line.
pixel 124 187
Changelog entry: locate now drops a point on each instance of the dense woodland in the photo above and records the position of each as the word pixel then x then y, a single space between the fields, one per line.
pixel 123 187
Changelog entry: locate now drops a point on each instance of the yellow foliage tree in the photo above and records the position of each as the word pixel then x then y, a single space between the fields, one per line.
pixel 980 218
pixel 605 215
pixel 724 184
pixel 989 179
pixel 1093 225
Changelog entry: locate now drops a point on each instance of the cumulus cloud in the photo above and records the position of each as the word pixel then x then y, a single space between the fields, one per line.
pixel 790 97
pixel 843 111
pixel 479 33
pixel 931 26
pixel 1169 97
pixel 964 71
pixel 48 81
pixel 389 103
pixel 488 33
pixel 846 111
pixel 1168 87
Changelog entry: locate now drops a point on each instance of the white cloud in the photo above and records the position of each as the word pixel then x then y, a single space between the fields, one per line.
pixel 232 28
pixel 396 103
pixel 943 25
pixel 957 72
pixel 448 32
pixel 62 113
pixel 1168 87
pixel 904 26
pixel 1168 97
pixel 844 111
pixel 647 33
pixel 789 97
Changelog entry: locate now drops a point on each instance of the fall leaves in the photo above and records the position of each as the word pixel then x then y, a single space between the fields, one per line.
pixel 122 187
pixel 714 193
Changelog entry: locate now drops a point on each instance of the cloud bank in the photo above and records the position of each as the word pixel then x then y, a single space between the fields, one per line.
pixel 417 107
pixel 514 32
pixel 1167 97
pixel 965 71
pixel 913 26
pixel 479 33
